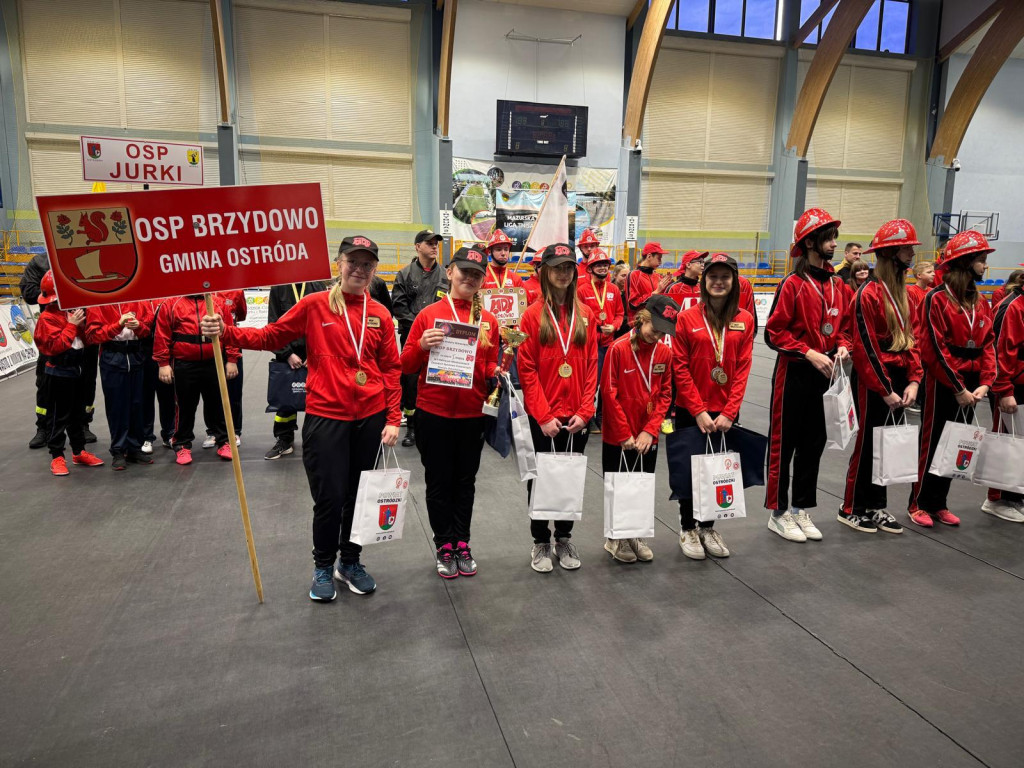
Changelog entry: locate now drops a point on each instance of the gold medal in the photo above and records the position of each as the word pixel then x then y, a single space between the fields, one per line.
pixel 565 370
pixel 603 316
pixel 650 408
pixel 360 378
pixel 719 376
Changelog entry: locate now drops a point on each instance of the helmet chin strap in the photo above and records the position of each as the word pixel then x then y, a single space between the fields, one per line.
pixel 901 266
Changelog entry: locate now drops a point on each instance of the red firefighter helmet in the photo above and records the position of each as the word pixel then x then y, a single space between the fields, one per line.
pixel 810 222
pixel 597 256
pixel 588 238
pixel 893 234
pixel 970 242
pixel 47 290
pixel 497 238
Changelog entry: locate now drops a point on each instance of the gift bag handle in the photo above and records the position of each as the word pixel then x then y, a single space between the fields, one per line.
pixel 623 462
pixel 381 453
pixel 837 367
pixel 892 417
pixel 971 412
pixel 711 447
pixel 568 448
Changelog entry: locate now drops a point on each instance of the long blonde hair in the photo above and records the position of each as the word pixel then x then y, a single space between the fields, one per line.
pixel 572 299
pixel 475 313
pixel 886 273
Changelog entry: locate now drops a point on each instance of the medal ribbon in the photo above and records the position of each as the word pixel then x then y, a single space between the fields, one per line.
pixel 830 304
pixel 600 296
pixel 362 333
pixel 297 294
pixel 718 344
pixel 895 309
pixel 971 318
pixel 494 276
pixel 650 368
pixel 563 342
pixel 455 314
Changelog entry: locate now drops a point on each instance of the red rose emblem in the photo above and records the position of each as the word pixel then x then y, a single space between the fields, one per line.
pixel 62 219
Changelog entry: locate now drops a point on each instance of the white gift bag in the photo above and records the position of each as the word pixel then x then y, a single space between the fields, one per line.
pixel 629 503
pixel 380 503
pixel 558 490
pixel 716 483
pixel 894 458
pixel 958 447
pixel 1013 422
pixel 840 415
pixel 526 456
pixel 1000 461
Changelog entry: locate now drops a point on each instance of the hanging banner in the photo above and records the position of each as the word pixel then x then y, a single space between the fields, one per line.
pixel 138 161
pixel 17 350
pixel 132 246
pixel 510 196
pixel 257 308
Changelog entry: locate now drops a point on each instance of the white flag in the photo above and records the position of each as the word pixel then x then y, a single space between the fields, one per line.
pixel 552 224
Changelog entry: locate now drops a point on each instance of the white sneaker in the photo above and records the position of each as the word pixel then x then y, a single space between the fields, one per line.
pixel 713 542
pixel 541 558
pixel 620 550
pixel 786 527
pixel 147 447
pixel 209 442
pixel 806 524
pixel 1005 510
pixel 238 440
pixel 689 542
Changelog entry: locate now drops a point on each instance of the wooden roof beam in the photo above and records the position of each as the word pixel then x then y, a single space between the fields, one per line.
pixel 643 68
pixel 968 31
pixel 444 86
pixel 813 21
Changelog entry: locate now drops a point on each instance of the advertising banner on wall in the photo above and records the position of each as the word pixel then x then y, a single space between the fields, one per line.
pixel 17 351
pixel 508 196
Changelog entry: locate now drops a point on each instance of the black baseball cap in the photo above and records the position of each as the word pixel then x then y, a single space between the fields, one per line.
pixel 555 254
pixel 470 258
pixel 358 243
pixel 427 234
pixel 721 258
pixel 664 312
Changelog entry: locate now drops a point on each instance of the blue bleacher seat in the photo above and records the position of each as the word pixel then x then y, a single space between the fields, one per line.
pixel 36 249
pixel 764 265
pixel 669 265
pixel 18 249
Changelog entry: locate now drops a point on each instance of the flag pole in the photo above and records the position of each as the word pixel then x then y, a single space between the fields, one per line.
pixel 540 213
pixel 236 463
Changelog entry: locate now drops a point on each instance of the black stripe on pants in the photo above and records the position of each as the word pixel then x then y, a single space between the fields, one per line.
pixel 861 494
pixel 931 492
pixel 121 378
pixel 450 452
pixel 539 529
pixel 64 397
pixel 334 454
pixel 194 379
pixel 687 521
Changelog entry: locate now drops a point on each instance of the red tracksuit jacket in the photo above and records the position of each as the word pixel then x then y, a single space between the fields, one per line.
pixel 685 292
pixel 628 407
pixel 54 333
pixel 612 310
pixel 694 359
pixel 103 324
pixel 798 313
pixel 947 335
pixel 1009 326
pixel 235 302
pixel 451 401
pixel 501 277
pixel 547 395
pixel 182 316
pixel 639 286
pixel 331 389
pixel 871 352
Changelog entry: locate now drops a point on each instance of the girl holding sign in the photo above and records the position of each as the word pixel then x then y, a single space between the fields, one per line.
pixel 352 402
pixel 636 393
pixel 886 371
pixel 558 373
pixel 449 420
pixel 957 349
pixel 713 348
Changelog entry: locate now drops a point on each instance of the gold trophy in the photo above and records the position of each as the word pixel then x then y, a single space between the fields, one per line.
pixel 512 337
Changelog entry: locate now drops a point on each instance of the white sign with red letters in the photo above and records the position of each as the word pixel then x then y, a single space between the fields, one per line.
pixel 138 161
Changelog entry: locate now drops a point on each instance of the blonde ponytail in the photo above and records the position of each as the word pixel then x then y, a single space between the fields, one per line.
pixel 336 298
pixel 475 313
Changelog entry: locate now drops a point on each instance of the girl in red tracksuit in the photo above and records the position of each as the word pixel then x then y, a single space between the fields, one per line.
pixel 886 371
pixel 60 336
pixel 957 348
pixel 449 420
pixel 644 281
pixel 636 389
pixel 713 349
pixel 185 356
pixel 604 300
pixel 809 327
pixel 119 330
pixel 558 373
pixel 1008 389
pixel 353 396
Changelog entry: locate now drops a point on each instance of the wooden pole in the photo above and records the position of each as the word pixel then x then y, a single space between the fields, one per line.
pixel 236 463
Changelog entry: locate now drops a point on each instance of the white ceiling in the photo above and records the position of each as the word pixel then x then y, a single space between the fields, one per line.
pixel 611 7
pixel 970 44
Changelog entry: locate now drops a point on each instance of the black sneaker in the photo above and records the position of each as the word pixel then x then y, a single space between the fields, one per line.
pixel 464 559
pixel 862 523
pixel 89 436
pixel 39 441
pixel 167 443
pixel 884 521
pixel 139 458
pixel 281 448
pixel 119 464
pixel 409 440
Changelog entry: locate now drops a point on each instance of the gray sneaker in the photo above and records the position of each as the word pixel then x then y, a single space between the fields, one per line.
pixel 464 559
pixel 447 568
pixel 541 558
pixel 713 543
pixel 620 550
pixel 567 555
pixel 642 549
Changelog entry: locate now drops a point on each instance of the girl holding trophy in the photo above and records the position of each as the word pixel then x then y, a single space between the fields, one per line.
pixel 558 373
pixel 449 420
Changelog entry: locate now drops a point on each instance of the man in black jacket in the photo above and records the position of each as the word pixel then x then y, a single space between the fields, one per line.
pixel 286 421
pixel 29 286
pixel 419 284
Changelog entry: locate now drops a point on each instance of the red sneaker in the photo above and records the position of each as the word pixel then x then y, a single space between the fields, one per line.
pixel 922 518
pixel 59 467
pixel 224 452
pixel 184 456
pixel 88 459
pixel 946 517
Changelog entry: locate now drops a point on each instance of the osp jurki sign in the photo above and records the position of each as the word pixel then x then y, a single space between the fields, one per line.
pixel 138 161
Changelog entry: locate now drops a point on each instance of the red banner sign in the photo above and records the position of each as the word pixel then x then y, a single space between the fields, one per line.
pixel 130 246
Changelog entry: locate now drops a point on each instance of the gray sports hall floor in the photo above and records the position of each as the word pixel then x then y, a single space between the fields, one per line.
pixel 130 634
